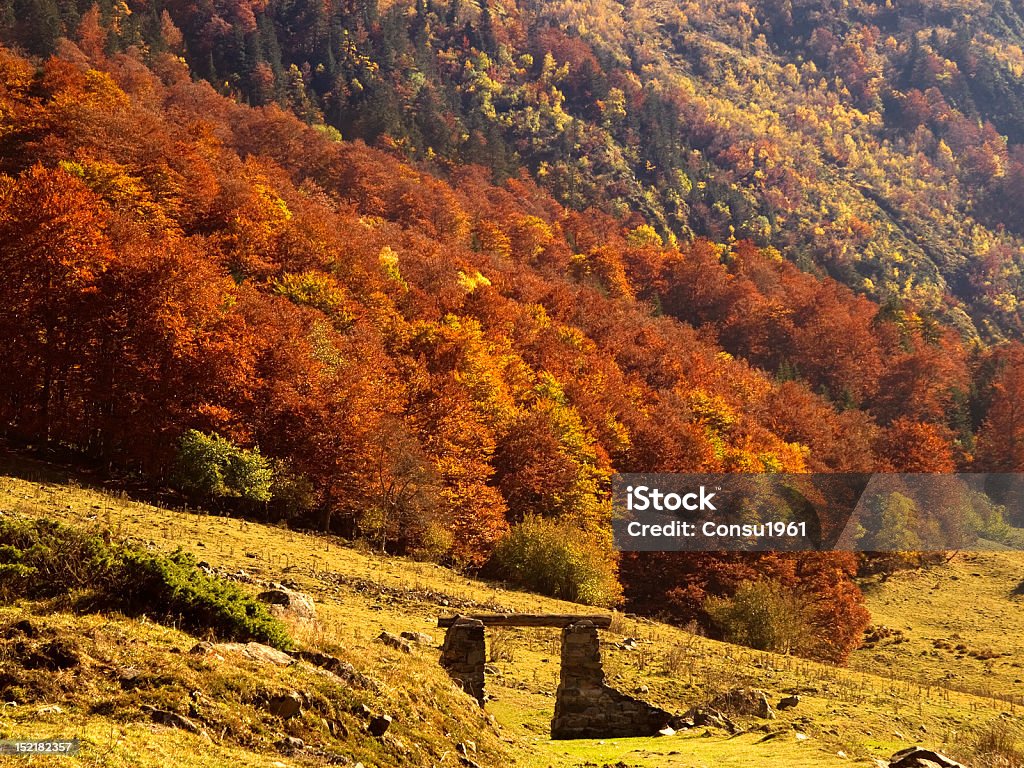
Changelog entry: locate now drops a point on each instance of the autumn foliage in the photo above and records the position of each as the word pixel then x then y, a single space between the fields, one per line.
pixel 426 360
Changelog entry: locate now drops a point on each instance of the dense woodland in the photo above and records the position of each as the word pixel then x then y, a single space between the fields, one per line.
pixel 423 273
pixel 878 143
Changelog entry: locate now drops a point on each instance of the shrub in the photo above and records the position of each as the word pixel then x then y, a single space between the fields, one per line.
pixel 557 559
pixel 678 586
pixel 213 466
pixel 44 559
pixel 765 615
pixel 192 599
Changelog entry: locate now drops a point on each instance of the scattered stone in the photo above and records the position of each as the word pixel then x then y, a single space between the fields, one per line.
pixel 291 744
pixel 293 602
pixel 50 709
pixel 463 760
pixel 788 702
pixel 285 706
pixel 642 689
pixel 668 730
pixel 801 736
pixel 171 719
pixel 361 710
pixel 395 642
pixel 258 652
pixel 420 638
pixel 202 648
pixel 744 701
pixel 379 725
pixel 919 757
pixel 465 747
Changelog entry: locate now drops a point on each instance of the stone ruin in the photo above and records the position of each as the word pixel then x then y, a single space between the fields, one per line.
pixel 464 655
pixel 585 706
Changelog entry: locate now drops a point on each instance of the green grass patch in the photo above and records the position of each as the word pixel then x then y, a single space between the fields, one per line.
pixel 45 559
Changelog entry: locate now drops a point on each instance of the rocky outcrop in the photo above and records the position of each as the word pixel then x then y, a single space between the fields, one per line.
pixel 285 600
pixel 587 708
pixel 750 702
pixel 918 757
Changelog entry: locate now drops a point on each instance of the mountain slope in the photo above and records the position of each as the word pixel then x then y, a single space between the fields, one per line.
pixel 865 714
pixel 874 143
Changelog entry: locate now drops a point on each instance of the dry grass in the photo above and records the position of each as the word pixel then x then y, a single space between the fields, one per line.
pixel 870 711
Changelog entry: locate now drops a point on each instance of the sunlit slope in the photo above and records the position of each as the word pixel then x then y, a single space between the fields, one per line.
pixel 844 717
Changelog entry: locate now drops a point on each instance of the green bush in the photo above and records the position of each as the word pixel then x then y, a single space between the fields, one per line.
pixel 557 559
pixel 44 559
pixel 196 601
pixel 213 466
pixel 765 615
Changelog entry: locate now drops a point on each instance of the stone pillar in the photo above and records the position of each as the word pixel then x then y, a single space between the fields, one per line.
pixel 586 708
pixel 464 654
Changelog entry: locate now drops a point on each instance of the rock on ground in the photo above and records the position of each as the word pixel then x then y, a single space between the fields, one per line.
pixel 919 757
pixel 395 642
pixel 289 600
pixel 285 705
pixel 744 701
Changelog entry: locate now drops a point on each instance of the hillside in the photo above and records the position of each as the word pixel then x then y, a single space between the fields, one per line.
pixel 865 713
pixel 422 277
pixel 285 325
pixel 877 143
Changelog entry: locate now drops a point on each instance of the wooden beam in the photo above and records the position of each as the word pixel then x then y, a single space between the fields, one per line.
pixel 529 619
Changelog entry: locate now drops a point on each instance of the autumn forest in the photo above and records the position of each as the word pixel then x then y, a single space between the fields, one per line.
pixel 426 274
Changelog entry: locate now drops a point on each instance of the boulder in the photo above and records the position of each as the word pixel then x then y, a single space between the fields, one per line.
pixel 788 702
pixel 379 725
pixel 286 705
pixel 708 717
pixel 395 642
pixel 919 757
pixel 744 701
pixel 340 669
pixel 293 602
pixel 290 744
pixel 257 652
pixel 202 648
pixel 420 638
